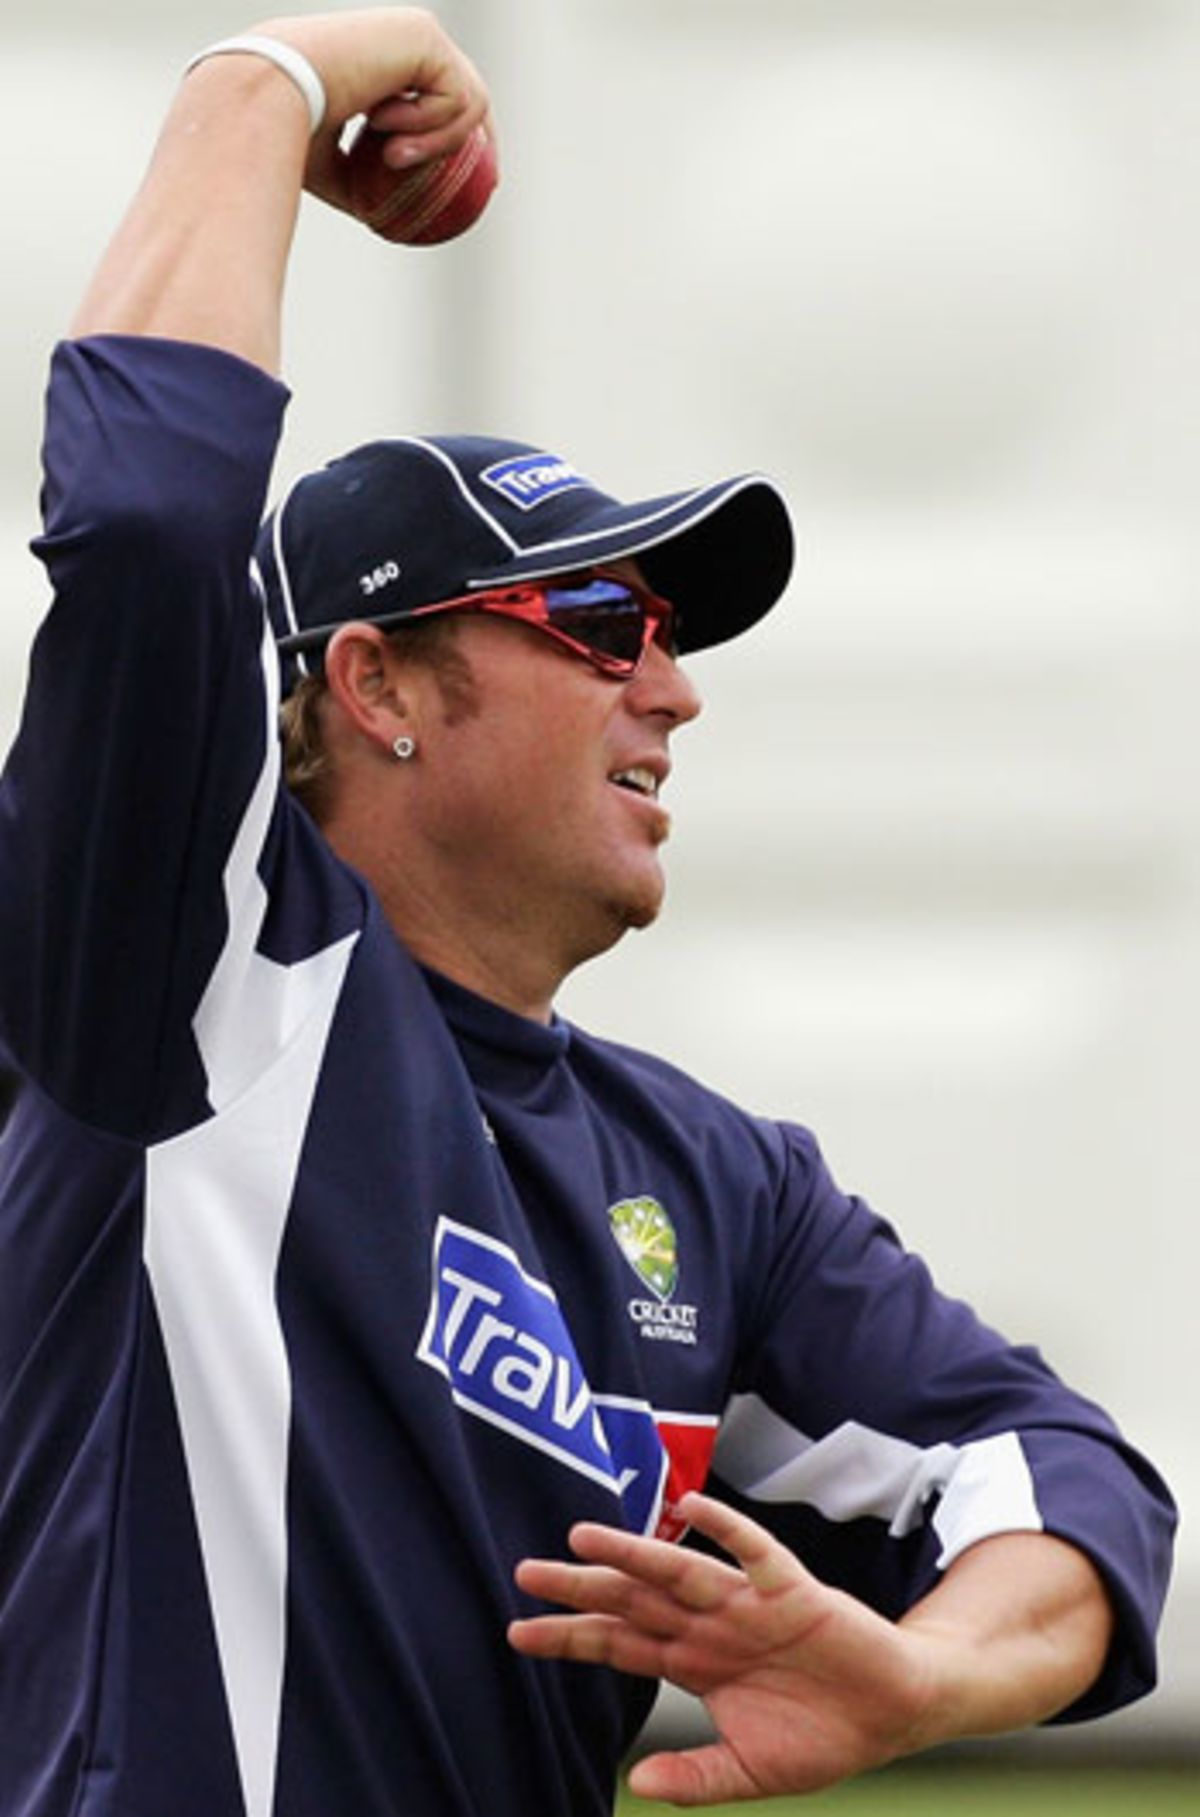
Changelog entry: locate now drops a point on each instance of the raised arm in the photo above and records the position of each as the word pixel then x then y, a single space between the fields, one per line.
pixel 148 717
pixel 202 252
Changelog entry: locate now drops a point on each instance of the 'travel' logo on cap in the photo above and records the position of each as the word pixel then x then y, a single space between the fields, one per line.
pixel 529 480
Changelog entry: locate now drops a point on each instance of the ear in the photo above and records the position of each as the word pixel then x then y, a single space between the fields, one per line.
pixel 368 682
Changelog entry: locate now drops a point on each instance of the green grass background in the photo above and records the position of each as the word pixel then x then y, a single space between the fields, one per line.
pixel 979 1792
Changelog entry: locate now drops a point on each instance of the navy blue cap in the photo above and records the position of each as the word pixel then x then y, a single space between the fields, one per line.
pixel 398 524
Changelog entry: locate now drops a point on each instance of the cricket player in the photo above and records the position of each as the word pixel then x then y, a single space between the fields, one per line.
pixel 371 1337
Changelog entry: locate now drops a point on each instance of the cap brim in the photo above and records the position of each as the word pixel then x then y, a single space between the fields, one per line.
pixel 722 555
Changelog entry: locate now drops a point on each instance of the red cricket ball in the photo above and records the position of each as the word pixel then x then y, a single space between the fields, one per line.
pixel 434 202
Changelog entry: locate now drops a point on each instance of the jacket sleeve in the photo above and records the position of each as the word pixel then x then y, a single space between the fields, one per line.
pixel 881 1428
pixel 143 724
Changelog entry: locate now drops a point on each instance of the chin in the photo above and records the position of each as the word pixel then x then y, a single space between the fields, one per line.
pixel 640 905
pixel 642 914
pixel 611 917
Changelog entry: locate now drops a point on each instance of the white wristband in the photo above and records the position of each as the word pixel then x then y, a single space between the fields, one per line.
pixel 292 62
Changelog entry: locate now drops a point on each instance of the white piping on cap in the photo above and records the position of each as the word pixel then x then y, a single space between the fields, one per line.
pixel 439 454
pixel 650 541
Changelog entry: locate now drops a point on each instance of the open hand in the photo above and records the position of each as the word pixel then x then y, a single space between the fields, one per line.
pixel 804 1684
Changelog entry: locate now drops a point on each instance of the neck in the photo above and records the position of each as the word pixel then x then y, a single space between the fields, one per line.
pixel 482 927
pixel 481 960
pixel 501 947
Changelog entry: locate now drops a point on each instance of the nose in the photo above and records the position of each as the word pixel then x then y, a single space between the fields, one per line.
pixel 661 686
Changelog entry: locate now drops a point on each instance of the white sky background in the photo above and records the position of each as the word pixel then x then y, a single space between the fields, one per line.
pixel 936 869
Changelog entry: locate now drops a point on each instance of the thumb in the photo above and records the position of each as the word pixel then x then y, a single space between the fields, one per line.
pixel 708 1775
pixel 326 172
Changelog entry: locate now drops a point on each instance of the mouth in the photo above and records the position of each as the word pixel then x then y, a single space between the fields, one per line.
pixel 638 780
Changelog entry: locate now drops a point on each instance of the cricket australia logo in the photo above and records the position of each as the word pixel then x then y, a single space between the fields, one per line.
pixel 645 1236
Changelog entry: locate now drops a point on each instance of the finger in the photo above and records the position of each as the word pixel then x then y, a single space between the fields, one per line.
pixel 691 1655
pixel 594 1640
pixel 405 150
pixel 593 1589
pixel 695 1581
pixel 769 1565
pixel 435 113
pixel 414 112
pixel 416 126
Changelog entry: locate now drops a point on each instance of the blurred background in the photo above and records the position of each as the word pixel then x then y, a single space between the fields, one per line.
pixel 934 265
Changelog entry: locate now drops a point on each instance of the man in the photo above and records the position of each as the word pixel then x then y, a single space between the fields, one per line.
pixel 340 1281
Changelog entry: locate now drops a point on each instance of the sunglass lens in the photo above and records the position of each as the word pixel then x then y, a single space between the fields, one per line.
pixel 601 614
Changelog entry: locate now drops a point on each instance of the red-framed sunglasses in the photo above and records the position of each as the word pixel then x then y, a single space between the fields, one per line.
pixel 610 622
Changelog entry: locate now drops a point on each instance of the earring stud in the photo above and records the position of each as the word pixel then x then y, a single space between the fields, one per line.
pixel 404 747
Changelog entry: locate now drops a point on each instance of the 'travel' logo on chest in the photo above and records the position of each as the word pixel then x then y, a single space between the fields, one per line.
pixel 645 1236
pixel 498 1336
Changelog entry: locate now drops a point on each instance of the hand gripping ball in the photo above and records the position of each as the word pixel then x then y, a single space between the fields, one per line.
pixel 428 204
